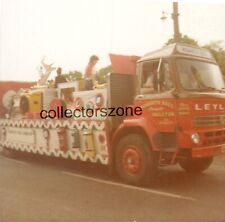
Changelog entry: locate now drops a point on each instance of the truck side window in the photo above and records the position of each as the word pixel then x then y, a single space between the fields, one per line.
pixel 148 77
pixel 165 79
pixel 153 82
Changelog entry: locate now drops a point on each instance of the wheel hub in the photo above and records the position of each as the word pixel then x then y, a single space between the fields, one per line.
pixel 131 160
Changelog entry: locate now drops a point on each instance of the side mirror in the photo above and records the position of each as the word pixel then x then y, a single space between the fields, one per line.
pixel 158 81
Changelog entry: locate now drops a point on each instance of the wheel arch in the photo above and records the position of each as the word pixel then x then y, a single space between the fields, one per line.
pixel 124 132
pixel 130 130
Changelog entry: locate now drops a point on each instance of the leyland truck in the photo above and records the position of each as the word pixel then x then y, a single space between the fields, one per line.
pixel 166 107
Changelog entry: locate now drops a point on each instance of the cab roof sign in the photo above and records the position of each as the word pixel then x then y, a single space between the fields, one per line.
pixel 193 51
pixel 178 49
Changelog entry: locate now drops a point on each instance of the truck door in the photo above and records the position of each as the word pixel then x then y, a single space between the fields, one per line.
pixel 156 97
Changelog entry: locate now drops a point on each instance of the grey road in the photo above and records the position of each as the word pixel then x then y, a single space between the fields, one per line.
pixel 44 189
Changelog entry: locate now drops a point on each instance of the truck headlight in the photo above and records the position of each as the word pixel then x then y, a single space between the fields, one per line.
pixel 195 138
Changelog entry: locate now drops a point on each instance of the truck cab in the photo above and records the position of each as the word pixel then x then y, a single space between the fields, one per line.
pixel 181 91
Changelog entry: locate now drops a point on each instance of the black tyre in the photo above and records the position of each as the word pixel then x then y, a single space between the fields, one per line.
pixel 197 165
pixel 134 161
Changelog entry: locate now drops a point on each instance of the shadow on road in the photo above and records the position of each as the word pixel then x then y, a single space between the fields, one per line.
pixel 168 178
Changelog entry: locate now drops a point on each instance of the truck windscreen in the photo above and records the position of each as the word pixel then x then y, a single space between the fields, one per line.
pixel 196 75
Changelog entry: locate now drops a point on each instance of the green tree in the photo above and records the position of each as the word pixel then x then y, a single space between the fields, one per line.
pixel 73 75
pixel 184 39
pixel 218 52
pixel 101 75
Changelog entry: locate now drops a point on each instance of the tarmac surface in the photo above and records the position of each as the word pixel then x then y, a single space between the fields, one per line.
pixel 35 188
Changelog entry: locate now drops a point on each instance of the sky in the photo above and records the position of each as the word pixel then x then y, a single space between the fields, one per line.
pixel 68 32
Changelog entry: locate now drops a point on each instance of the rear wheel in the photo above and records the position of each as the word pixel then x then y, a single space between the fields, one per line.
pixel 134 162
pixel 197 165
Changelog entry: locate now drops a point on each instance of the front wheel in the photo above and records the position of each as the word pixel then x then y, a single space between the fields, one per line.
pixel 134 161
pixel 197 165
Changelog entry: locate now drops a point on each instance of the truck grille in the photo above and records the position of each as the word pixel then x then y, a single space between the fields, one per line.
pixel 204 121
pixel 214 138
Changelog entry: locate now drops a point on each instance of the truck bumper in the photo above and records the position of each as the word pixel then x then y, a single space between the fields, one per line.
pixel 208 151
pixel 212 142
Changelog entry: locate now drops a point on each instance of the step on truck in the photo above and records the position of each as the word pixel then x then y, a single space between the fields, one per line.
pixel 167 107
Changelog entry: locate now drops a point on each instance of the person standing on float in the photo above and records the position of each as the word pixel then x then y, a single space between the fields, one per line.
pixel 90 73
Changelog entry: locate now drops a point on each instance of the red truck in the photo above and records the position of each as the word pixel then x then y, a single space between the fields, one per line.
pixel 179 93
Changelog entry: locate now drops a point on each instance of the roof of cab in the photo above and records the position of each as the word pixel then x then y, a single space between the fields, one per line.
pixel 178 49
